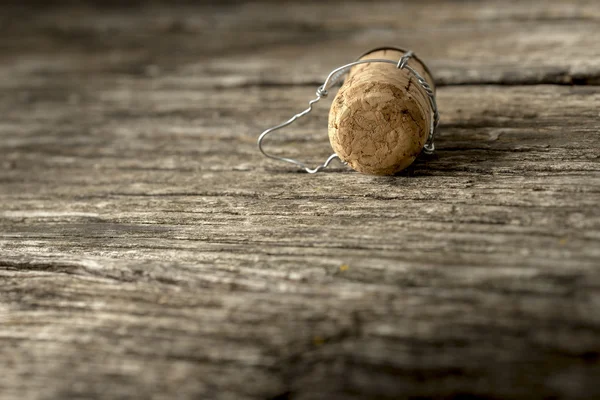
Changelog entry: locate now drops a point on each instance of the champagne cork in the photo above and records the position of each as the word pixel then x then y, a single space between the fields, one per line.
pixel 380 118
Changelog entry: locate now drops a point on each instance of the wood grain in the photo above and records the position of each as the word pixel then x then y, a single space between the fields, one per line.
pixel 148 251
pixel 282 43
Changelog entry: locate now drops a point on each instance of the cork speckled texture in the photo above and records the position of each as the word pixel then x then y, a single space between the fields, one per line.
pixel 379 120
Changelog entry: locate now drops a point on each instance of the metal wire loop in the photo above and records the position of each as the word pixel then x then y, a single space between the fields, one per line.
pixel 323 90
pixel 404 59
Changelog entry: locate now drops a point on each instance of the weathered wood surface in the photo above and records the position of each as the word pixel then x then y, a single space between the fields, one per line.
pixel 148 251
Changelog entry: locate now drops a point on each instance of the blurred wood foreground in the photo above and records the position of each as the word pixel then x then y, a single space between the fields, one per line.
pixel 148 251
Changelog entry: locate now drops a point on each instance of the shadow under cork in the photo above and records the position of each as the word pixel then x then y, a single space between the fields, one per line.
pixel 475 147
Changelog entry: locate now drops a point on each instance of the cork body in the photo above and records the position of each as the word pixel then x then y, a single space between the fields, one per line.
pixel 379 120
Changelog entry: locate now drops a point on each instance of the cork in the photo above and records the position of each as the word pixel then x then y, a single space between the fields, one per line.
pixel 379 120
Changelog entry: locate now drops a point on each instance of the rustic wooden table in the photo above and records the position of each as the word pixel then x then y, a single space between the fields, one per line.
pixel 147 250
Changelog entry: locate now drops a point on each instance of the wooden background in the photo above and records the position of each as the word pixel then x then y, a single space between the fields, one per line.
pixel 148 251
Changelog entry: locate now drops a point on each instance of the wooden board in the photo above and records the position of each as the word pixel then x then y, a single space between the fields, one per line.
pixel 147 250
